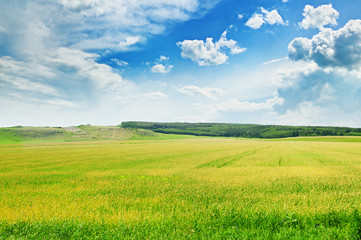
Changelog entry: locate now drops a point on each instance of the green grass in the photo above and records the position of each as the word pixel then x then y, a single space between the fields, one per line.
pixel 32 134
pixel 194 188
pixel 14 135
pixel 324 139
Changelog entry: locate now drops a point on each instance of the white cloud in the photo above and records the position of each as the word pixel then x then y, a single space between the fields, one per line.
pixel 319 17
pixel 234 105
pixel 26 69
pixel 204 53
pixel 192 90
pixel 120 24
pixel 120 63
pixel 275 60
pixel 240 16
pixel 231 44
pixel 305 114
pixel 160 68
pixel 152 9
pixel 85 65
pixel 94 24
pixel 61 102
pixel 256 21
pixel 209 53
pixel 287 78
pixel 128 42
pixel 15 74
pixel 312 114
pixel 52 65
pixel 299 49
pixel 20 83
pixel 154 95
pixel 270 17
pixel 52 75
pixel 319 96
pixel 331 48
pixel 327 93
pixel 163 58
pixel 284 1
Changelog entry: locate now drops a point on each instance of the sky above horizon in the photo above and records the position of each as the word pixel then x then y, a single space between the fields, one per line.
pixel 101 62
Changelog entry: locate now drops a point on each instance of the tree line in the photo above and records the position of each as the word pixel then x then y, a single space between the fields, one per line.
pixel 242 130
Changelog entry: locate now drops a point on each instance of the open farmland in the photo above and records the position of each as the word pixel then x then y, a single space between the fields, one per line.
pixel 196 188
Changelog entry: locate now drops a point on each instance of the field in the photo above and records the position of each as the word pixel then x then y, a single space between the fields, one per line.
pixel 182 188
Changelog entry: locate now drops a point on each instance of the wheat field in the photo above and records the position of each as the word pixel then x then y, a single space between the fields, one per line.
pixel 197 188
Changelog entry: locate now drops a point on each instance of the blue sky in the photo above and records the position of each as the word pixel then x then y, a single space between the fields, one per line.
pixel 102 62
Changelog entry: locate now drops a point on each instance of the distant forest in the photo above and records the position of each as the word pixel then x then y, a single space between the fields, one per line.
pixel 242 130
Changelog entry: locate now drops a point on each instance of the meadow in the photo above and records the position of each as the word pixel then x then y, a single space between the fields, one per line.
pixel 154 187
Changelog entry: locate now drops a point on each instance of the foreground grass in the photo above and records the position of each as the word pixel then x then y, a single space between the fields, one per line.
pixel 197 188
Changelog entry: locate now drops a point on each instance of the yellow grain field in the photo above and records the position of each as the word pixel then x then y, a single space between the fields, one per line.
pixel 199 188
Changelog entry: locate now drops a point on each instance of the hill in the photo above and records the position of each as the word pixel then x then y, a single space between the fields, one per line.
pixel 20 134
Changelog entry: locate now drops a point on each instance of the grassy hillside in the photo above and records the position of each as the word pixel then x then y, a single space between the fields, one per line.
pixel 199 188
pixel 20 134
pixel 242 130
pixel 25 134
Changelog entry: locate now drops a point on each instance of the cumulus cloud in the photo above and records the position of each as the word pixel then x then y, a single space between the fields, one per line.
pixel 305 114
pixel 160 68
pixel 209 53
pixel 319 17
pixel 289 77
pixel 269 17
pixel 192 90
pixel 204 53
pixel 256 21
pixel 319 96
pixel 163 58
pixel 311 114
pixel 326 89
pixel 331 48
pixel 272 17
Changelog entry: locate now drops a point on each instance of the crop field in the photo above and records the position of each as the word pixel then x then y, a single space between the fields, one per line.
pixel 187 188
